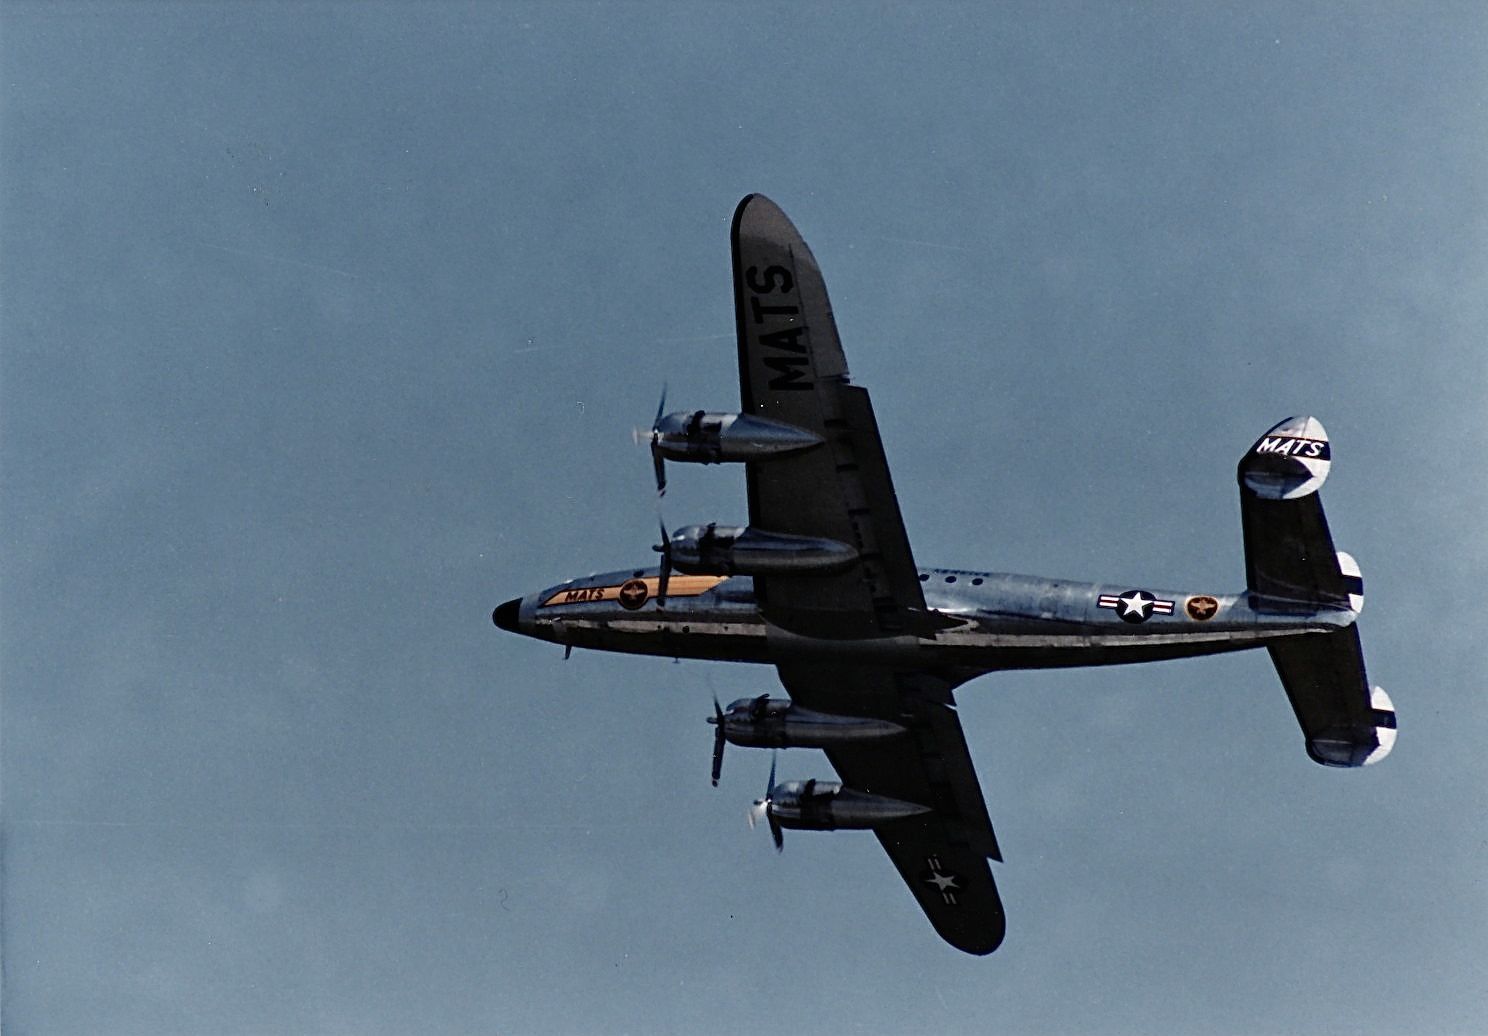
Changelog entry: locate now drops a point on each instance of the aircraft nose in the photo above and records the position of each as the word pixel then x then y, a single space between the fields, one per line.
pixel 505 615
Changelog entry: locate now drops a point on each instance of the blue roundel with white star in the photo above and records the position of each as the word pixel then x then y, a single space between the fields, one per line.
pixel 1136 605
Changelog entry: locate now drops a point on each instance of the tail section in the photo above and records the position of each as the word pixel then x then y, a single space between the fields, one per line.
pixel 1288 462
pixel 1292 567
pixel 1290 563
pixel 1344 720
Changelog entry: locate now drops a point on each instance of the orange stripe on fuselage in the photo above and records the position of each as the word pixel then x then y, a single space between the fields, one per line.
pixel 677 586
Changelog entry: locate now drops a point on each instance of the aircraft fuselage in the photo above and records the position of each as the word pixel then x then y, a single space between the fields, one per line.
pixel 992 621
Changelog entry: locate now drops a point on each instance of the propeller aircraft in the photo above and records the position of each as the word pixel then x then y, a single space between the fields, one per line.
pixel 870 646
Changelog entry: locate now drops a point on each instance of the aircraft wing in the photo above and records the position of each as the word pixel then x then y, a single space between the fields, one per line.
pixel 942 855
pixel 792 369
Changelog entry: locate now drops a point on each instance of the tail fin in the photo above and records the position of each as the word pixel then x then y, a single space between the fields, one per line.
pixel 1291 566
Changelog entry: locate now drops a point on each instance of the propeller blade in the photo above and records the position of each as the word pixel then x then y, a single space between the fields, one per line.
pixel 761 811
pixel 665 550
pixel 718 741
pixel 660 407
pixel 659 464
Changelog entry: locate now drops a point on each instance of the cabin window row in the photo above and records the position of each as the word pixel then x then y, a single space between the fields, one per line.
pixel 925 578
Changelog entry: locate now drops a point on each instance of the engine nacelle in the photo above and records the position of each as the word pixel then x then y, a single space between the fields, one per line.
pixel 704 437
pixel 827 806
pixel 766 722
pixel 726 550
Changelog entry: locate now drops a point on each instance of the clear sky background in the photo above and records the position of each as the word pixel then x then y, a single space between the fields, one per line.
pixel 325 328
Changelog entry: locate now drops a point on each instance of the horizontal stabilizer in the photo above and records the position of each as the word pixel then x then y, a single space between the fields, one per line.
pixel 1289 557
pixel 1345 721
pixel 1291 567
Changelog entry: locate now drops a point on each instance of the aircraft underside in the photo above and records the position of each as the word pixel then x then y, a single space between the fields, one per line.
pixel 869 647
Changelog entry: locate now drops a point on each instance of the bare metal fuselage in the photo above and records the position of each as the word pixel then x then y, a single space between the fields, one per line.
pixel 992 621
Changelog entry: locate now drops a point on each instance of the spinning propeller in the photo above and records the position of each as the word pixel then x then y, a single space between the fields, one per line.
pixel 761 808
pixel 657 461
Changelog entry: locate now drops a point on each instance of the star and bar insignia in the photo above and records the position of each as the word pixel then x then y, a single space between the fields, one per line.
pixel 1136 605
pixel 946 883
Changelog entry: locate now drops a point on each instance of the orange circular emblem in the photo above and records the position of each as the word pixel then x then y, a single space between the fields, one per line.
pixel 633 593
pixel 1201 609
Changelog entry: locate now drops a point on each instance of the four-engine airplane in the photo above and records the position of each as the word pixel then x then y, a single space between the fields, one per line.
pixel 870 646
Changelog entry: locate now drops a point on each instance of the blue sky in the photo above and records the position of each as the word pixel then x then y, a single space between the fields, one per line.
pixel 324 331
